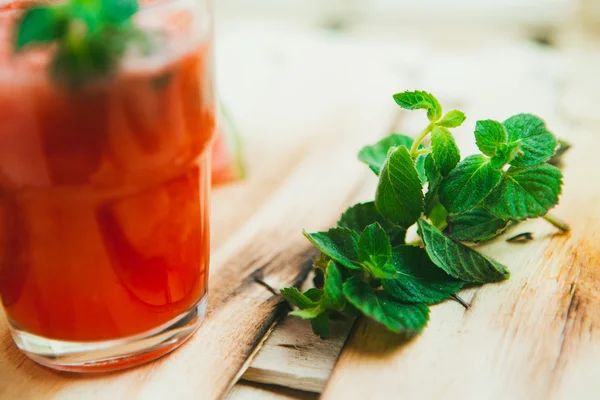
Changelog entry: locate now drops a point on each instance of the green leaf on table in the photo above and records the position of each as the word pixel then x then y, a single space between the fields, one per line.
pixel 489 135
pixel 375 155
pixel 458 260
pixel 320 326
pixel 382 271
pixel 432 171
pixel 297 298
pixel 420 166
pixel 381 307
pixel 537 143
pixel 341 244
pixel 445 151
pixel 453 119
pixel 419 280
pixel 438 216
pixel 526 192
pixel 476 225
pixel 39 25
pixel 399 196
pixel 375 252
pixel 420 100
pixel 359 216
pixel 468 184
pixel 333 297
pixel 374 246
pixel 314 294
pixel 309 313
pixel 505 153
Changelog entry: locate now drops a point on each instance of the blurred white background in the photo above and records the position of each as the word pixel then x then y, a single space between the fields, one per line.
pixel 412 12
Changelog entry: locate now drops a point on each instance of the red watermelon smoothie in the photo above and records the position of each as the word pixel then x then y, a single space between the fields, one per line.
pixel 104 214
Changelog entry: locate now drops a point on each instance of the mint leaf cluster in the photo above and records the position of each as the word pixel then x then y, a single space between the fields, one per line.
pixel 367 268
pixel 90 37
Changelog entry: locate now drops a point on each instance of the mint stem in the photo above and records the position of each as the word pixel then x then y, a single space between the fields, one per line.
pixel 414 149
pixel 461 301
pixel 557 223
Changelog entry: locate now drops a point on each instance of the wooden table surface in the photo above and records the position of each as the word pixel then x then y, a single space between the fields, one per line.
pixel 306 100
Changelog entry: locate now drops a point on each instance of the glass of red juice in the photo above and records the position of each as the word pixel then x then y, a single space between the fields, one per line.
pixel 104 195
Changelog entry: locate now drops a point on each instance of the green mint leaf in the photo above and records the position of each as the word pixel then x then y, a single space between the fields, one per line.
pixel 309 313
pixel 420 100
pixel 320 326
pixel 537 143
pixel 453 119
pixel 505 153
pixel 563 147
pixel 399 196
pixel 432 171
pixel 419 280
pixel 526 192
pixel 445 151
pixel 458 260
pixel 476 225
pixel 314 294
pixel 420 166
pixel 489 135
pixel 118 11
pixel 375 155
pixel 39 25
pixel 374 246
pixel 359 216
pixel 385 271
pixel 468 184
pixel 297 298
pixel 341 244
pixel 90 37
pixel 381 307
pixel 438 216
pixel 333 297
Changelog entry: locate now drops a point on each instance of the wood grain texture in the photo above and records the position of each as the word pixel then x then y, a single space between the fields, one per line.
pixel 536 336
pixel 253 391
pixel 294 357
pixel 306 102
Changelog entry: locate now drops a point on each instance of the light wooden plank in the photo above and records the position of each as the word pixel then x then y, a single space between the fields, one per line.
pixel 536 336
pixel 294 357
pixel 455 76
pixel 254 391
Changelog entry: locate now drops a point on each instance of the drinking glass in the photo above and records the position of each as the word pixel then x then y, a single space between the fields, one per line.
pixel 104 195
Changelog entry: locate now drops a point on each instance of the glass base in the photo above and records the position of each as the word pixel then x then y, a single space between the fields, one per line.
pixel 111 355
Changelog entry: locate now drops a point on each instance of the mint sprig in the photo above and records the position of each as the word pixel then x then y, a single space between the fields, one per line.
pixel 365 266
pixel 90 37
